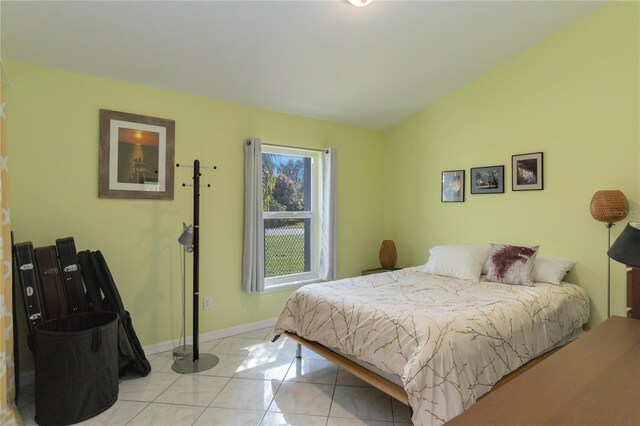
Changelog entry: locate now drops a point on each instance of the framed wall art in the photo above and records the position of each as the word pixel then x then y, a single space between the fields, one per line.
pixel 452 186
pixel 487 180
pixel 527 172
pixel 136 156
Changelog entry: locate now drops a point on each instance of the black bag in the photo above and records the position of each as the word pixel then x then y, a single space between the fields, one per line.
pixel 104 295
pixel 55 300
pixel 76 367
pixel 29 285
pixel 73 286
pixel 91 282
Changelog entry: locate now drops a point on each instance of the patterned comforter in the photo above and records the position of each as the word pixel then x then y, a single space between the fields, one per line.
pixel 449 340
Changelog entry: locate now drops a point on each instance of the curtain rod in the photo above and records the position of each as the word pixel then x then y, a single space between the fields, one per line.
pixel 326 151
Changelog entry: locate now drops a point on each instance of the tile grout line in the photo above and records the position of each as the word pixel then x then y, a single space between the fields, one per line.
pixel 276 392
pixel 145 407
pixel 205 409
pixel 333 395
pixel 167 388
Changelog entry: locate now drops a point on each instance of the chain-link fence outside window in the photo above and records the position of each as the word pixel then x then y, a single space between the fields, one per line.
pixel 285 251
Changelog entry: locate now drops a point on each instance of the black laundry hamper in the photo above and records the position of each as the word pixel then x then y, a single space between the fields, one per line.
pixel 76 367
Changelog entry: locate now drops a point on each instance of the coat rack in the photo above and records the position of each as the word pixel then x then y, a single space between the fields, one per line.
pixel 197 362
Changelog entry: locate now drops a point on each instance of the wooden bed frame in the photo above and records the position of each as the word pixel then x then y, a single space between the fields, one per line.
pixel 387 386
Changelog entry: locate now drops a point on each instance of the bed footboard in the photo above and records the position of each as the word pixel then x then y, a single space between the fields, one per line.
pixel 384 385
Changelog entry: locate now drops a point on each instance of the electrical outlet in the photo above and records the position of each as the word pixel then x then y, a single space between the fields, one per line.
pixel 206 303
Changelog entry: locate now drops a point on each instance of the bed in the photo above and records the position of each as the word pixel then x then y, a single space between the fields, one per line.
pixel 445 340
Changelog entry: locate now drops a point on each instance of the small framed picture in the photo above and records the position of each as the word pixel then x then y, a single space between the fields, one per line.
pixel 453 186
pixel 136 156
pixel 487 180
pixel 527 172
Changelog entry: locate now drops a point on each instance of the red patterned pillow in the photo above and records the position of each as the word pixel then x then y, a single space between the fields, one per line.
pixel 512 264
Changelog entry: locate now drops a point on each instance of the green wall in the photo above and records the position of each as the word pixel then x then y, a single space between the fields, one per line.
pixel 574 96
pixel 53 136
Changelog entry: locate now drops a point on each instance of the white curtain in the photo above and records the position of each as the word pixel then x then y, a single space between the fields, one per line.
pixel 328 250
pixel 253 256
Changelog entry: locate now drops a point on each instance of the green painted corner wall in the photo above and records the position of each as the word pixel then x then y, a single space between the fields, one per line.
pixel 574 96
pixel 52 125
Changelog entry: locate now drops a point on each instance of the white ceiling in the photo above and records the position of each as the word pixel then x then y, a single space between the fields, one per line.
pixel 371 67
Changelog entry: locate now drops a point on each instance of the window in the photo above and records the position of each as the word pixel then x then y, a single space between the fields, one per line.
pixel 289 216
pixel 291 211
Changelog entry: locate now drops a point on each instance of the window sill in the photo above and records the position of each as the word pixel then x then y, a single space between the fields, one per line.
pixel 294 285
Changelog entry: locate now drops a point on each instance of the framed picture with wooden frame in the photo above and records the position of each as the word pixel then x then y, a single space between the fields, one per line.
pixel 452 186
pixel 136 156
pixel 527 172
pixel 487 180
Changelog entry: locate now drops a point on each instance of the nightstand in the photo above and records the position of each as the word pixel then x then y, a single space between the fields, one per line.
pixel 377 271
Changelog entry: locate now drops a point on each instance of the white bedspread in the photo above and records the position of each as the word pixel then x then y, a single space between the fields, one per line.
pixel 449 340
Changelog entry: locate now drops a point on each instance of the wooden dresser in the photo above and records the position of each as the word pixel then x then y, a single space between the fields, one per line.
pixel 594 380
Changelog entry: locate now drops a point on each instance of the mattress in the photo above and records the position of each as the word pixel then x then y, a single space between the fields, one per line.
pixel 449 340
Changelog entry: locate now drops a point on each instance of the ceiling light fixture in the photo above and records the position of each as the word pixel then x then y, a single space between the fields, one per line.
pixel 360 3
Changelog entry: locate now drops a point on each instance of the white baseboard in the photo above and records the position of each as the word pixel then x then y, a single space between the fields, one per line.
pixel 212 335
pixel 28 377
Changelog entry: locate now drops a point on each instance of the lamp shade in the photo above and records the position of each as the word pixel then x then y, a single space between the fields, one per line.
pixel 609 206
pixel 186 239
pixel 626 248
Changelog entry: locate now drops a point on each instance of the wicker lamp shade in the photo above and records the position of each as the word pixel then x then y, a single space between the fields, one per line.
pixel 388 254
pixel 609 206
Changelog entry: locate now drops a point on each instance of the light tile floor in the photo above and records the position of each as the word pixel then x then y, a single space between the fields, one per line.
pixel 257 382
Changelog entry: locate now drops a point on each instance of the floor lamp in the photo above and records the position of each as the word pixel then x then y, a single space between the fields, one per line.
pixel 609 206
pixel 186 244
pixel 197 362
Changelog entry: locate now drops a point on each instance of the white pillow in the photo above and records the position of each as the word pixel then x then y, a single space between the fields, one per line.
pixel 551 269
pixel 457 261
pixel 486 265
